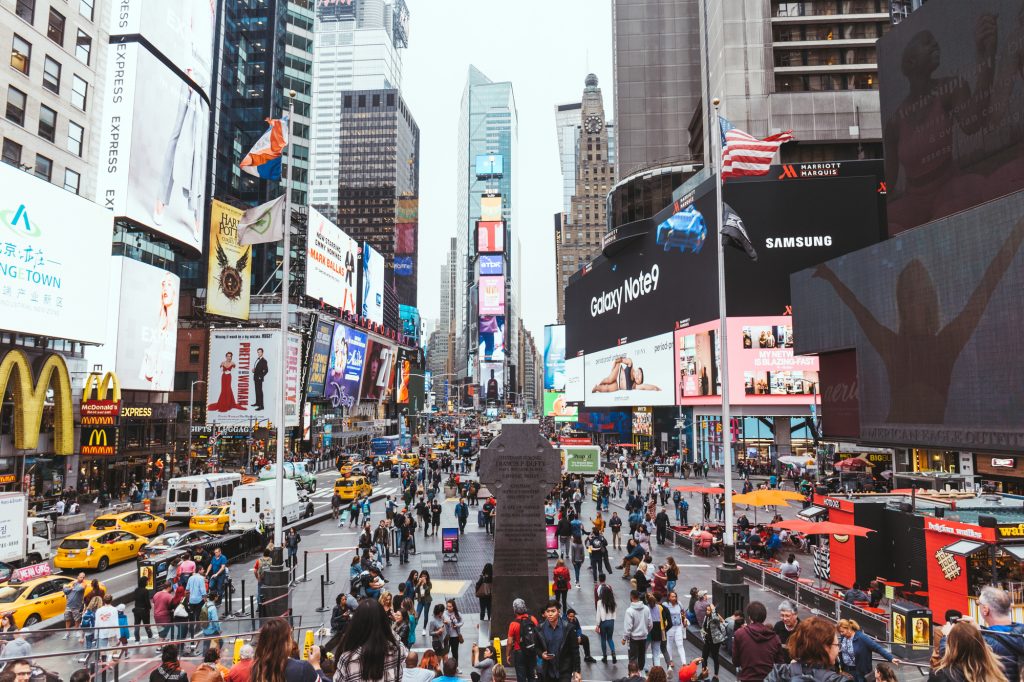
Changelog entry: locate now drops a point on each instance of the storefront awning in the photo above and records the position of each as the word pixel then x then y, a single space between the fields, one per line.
pixel 963 547
pixel 1016 551
pixel 813 513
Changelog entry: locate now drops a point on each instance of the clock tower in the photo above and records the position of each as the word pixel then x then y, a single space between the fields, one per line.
pixel 578 233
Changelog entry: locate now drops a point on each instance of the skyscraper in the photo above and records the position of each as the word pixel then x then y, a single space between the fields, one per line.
pixel 488 139
pixel 358 47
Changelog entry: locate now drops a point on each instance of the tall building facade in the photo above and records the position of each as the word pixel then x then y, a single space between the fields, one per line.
pixel 488 134
pixel 357 47
pixel 579 229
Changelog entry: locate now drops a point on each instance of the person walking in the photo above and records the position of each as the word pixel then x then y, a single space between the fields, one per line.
pixel 756 647
pixel 211 631
pixel 636 628
pixel 559 647
pixel 484 585
pixel 967 657
pixel 291 543
pixel 563 530
pixel 561 581
pixel 659 625
pixel 677 624
pixel 606 622
pixel 369 649
pixel 74 603
pixel 453 628
pixel 423 600
pixel 584 641
pixel 813 647
pixel 162 611
pixel 661 525
pixel 577 553
pixel 615 523
pixel 712 631
pixel 141 610
pixel 523 642
pixel 273 662
pixel 856 649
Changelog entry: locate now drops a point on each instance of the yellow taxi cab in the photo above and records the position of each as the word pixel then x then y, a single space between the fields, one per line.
pixel 97 549
pixel 410 459
pixel 34 600
pixel 212 519
pixel 352 487
pixel 137 522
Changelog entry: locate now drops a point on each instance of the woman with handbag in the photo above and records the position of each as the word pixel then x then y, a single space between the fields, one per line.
pixel 484 585
pixel 438 632
pixel 423 599
pixel 453 628
pixel 713 632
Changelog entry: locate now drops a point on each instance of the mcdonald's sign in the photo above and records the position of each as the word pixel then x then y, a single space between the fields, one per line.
pixel 101 408
pixel 29 389
pixel 94 384
pixel 99 440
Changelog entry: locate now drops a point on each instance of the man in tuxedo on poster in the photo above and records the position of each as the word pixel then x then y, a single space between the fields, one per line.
pixel 259 373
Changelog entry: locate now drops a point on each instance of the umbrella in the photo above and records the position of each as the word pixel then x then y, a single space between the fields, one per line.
pixel 707 490
pixel 766 498
pixel 853 462
pixel 796 461
pixel 824 528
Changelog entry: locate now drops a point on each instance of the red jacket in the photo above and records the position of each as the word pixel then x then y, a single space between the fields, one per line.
pixel 562 571
pixel 513 631
pixel 755 649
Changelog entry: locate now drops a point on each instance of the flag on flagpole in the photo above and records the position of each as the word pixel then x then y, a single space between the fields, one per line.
pixel 734 233
pixel 263 224
pixel 744 154
pixel 264 159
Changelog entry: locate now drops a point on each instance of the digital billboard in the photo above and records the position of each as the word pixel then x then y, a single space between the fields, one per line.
pixel 319 357
pixel 55 264
pixel 147 327
pixel 404 374
pixel 556 406
pixel 645 290
pixel 229 268
pixel 492 337
pixel 492 381
pixel 492 295
pixel 373 284
pixel 377 370
pixel 554 357
pixel 574 391
pixel 345 369
pixel 331 260
pixel 582 460
pixel 635 373
pixel 490 165
pixel 642 424
pixel 182 31
pixel 153 145
pixel 490 208
pixel 491 265
pixel 490 236
pixel 929 314
pixel 950 103
pixel 246 377
pixel 605 421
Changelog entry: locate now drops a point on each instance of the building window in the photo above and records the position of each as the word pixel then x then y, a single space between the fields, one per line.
pixel 44 167
pixel 12 152
pixel 79 92
pixel 26 9
pixel 83 47
pixel 55 27
pixel 51 75
pixel 21 54
pixel 76 134
pixel 193 354
pixel 85 8
pixel 15 105
pixel 47 123
pixel 391 99
pixel 348 101
pixel 72 180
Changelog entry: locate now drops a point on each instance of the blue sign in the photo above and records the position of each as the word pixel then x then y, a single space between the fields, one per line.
pixel 490 165
pixel 492 265
pixel 348 352
pixel 403 266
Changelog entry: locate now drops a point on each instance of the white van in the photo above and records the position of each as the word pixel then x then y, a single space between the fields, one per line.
pixel 188 496
pixel 252 499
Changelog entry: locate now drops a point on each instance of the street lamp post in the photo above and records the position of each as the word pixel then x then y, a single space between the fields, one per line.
pixel 188 455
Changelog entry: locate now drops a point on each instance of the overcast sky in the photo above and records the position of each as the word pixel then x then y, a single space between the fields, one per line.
pixel 545 48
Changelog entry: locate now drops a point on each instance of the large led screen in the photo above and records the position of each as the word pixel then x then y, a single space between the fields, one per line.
pixel 492 381
pixel 490 237
pixel 492 337
pixel 490 208
pixel 574 390
pixel 490 165
pixel 933 315
pixel 147 328
pixel 492 265
pixel 246 377
pixel 331 261
pixel 555 405
pixel 373 284
pixel 153 146
pixel 180 30
pixel 229 266
pixel 320 357
pixel 492 295
pixel 55 264
pixel 345 369
pixel 554 357
pixel 951 105
pixel 635 373
pixel 377 370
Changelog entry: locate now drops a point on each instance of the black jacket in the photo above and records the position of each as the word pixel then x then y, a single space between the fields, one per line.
pixel 567 652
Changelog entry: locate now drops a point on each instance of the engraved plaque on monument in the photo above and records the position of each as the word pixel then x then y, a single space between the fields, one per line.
pixel 520 468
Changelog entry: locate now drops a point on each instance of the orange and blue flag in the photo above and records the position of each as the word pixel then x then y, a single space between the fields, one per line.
pixel 264 159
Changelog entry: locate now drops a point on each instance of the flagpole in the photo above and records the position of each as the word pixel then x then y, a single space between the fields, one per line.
pixel 279 478
pixel 723 345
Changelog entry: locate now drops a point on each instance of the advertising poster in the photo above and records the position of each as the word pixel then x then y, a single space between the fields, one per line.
pixel 490 237
pixel 182 31
pixel 331 260
pixel 154 143
pixel 765 362
pixel 584 460
pixel 320 358
pixel 574 391
pixel 492 295
pixel 697 364
pixel 492 381
pixel 147 329
pixel 345 368
pixel 635 373
pixel 556 406
pixel 642 425
pixel 554 357
pixel 245 382
pixel 551 538
pixel 55 264
pixel 492 337
pixel 492 265
pixel 377 370
pixel 406 248
pixel 490 208
pixel 229 278
pixel 411 321
pixel 404 374
pixel 490 165
pixel 373 284
pixel 292 379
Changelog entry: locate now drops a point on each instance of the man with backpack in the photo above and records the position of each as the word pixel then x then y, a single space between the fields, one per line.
pixel 523 642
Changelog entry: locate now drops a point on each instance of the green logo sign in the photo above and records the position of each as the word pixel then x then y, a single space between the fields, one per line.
pixel 20 224
pixel 583 459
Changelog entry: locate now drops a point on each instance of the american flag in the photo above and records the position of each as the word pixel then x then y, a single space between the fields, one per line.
pixel 744 154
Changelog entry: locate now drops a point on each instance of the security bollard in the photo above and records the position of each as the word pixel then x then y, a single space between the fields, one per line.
pixel 323 602
pixel 305 566
pixel 327 568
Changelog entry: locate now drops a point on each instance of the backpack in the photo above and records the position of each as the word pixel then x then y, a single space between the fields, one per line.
pixel 561 582
pixel 796 672
pixel 528 635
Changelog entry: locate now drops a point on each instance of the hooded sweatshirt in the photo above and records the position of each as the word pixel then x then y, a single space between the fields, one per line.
pixel 638 621
pixel 755 649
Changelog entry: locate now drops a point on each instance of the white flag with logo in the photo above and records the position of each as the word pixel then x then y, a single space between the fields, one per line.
pixel 263 224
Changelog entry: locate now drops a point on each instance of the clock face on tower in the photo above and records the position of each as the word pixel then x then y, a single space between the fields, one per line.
pixel 593 123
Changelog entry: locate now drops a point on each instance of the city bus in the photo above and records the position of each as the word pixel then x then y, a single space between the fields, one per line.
pixel 188 496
